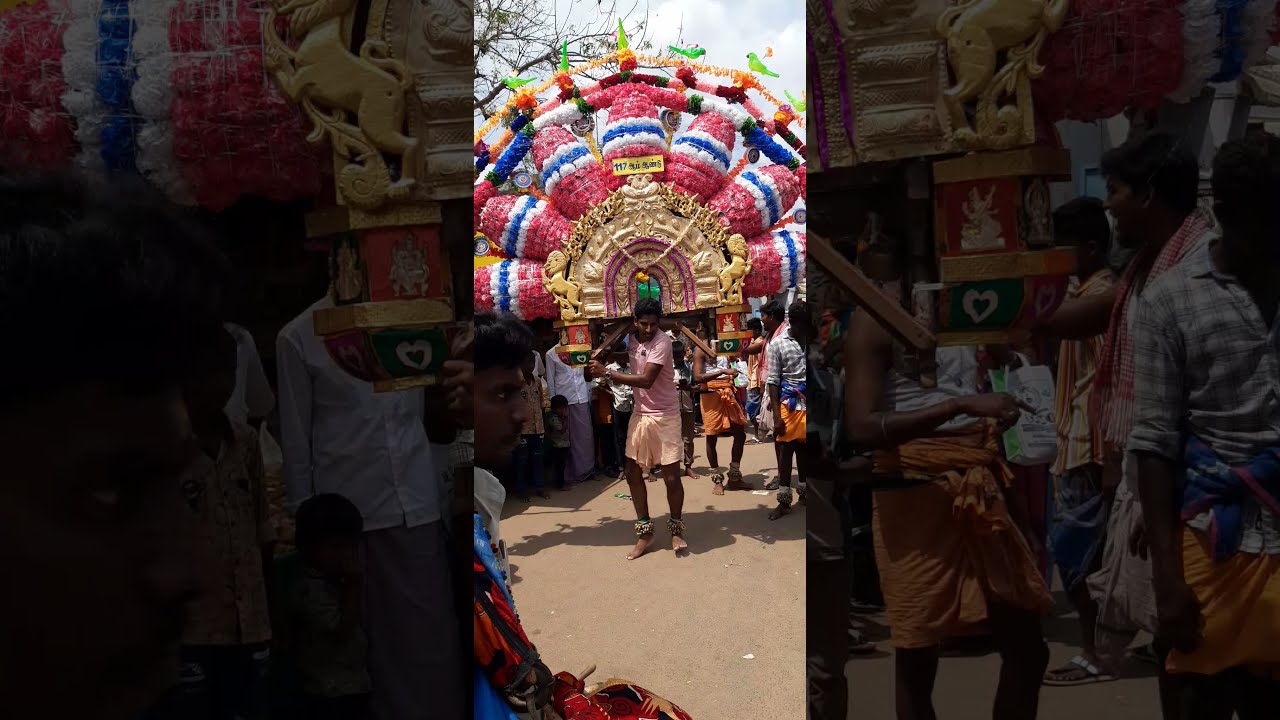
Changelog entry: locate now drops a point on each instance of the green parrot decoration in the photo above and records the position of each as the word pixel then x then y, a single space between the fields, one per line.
pixel 622 36
pixel 693 53
pixel 798 105
pixel 754 63
pixel 515 83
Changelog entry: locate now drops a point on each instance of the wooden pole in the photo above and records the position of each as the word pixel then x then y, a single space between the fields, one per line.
pixel 884 310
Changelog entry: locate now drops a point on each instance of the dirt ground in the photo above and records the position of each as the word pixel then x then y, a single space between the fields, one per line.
pixel 966 686
pixel 680 626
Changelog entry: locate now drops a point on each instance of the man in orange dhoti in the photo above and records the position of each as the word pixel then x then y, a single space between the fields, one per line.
pixel 721 415
pixel 786 384
pixel 952 559
pixel 1206 436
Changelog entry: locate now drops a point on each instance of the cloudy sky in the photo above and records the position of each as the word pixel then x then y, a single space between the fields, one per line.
pixel 728 31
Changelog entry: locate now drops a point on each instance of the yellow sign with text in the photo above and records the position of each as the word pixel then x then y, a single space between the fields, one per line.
pixel 637 165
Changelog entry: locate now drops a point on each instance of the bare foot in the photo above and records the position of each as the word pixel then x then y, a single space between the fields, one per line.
pixel 779 512
pixel 678 544
pixel 688 472
pixel 642 546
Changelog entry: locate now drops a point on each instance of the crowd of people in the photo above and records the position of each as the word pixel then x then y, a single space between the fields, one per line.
pixel 1166 479
pixel 135 501
pixel 579 422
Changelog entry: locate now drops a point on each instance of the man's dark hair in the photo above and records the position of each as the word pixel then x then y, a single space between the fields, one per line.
pixel 101 284
pixel 648 306
pixel 501 341
pixel 1084 220
pixel 1246 179
pixel 798 309
pixel 755 324
pixel 559 401
pixel 775 310
pixel 328 516
pixel 1160 164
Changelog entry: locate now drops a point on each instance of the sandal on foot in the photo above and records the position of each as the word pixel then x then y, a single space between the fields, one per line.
pixel 773 484
pixel 1078 671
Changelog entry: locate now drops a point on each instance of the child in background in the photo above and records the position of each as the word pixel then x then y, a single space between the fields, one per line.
pixel 557 421
pixel 684 379
pixel 325 610
pixel 528 456
pixel 226 640
pixel 602 416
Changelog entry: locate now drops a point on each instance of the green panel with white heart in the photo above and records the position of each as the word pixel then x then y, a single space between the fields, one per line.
pixel 990 305
pixel 407 353
pixel 729 346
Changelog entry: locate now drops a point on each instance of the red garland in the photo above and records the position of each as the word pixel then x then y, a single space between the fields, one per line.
pixel 235 135
pixel 685 75
pixel 733 94
pixel 37 132
pixel 1110 55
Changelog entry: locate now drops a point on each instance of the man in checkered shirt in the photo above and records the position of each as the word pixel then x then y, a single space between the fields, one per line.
pixel 786 387
pixel 1207 438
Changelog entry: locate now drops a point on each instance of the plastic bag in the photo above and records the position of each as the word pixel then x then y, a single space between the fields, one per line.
pixel 1033 440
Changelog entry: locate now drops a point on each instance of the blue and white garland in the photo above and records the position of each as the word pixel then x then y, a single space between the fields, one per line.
pixel 790 252
pixel 766 196
pixel 567 159
pixel 634 131
pixel 703 147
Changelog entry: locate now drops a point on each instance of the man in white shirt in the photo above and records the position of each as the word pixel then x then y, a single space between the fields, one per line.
pixel 252 399
pixel 572 383
pixel 339 436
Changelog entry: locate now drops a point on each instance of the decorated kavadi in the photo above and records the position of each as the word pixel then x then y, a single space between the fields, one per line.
pixel 605 192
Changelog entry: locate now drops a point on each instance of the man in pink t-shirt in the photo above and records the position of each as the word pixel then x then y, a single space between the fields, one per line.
pixel 653 437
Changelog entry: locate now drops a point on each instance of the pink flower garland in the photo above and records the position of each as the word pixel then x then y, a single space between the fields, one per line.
pixel 632 106
pixel 738 207
pixel 524 286
pixel 235 135
pixel 37 133
pixel 545 228
pixel 484 192
pixel 1110 55
pixel 765 277
pixel 690 172
pixel 802 177
pixel 577 192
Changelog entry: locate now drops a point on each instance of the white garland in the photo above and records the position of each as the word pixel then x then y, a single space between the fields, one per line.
pixel 485 174
pixel 736 115
pixel 1201 28
pixel 784 261
pixel 698 153
pixel 762 204
pixel 563 115
pixel 80 72
pixel 565 170
pixel 658 142
pixel 522 232
pixel 153 99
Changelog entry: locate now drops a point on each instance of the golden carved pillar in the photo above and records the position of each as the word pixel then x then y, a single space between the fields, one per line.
pixel 386 85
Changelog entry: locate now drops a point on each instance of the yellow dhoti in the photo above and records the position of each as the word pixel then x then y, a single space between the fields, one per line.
pixel 1240 610
pixel 720 408
pixel 947 547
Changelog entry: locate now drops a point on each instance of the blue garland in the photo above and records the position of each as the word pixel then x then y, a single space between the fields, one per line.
pixel 512 156
pixel 482 160
pixel 792 260
pixel 770 199
pixel 115 85
pixel 528 203
pixel 504 287
pixel 1231 46
pixel 771 148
